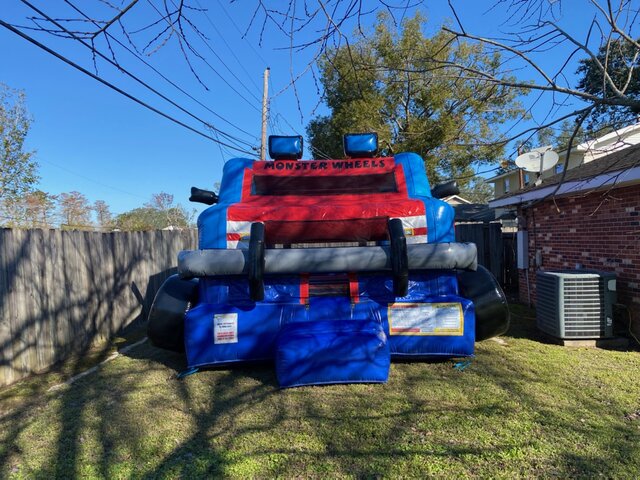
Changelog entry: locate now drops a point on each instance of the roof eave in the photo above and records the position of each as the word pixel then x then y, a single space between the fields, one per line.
pixel 502 175
pixel 604 180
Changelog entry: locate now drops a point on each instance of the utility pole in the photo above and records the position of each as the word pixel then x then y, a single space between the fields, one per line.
pixel 265 97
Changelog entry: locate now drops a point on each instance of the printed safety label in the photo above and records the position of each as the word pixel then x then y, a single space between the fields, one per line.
pixel 426 319
pixel 225 328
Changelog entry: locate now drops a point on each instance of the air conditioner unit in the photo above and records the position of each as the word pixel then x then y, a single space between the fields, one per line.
pixel 576 304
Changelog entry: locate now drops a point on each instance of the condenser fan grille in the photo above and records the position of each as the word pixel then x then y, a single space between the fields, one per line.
pixel 574 304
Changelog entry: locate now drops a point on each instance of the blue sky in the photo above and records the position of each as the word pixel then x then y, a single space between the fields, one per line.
pixel 91 139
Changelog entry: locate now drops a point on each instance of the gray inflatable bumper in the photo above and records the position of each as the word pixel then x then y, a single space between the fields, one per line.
pixel 423 256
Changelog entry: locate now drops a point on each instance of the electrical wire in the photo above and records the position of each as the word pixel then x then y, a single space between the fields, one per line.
pixel 276 127
pixel 242 35
pixel 213 69
pixel 132 76
pixel 233 53
pixel 117 89
pixel 164 77
pixel 97 182
pixel 464 177
pixel 630 321
pixel 159 73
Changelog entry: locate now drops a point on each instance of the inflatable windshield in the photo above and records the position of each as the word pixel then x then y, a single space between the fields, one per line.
pixel 329 268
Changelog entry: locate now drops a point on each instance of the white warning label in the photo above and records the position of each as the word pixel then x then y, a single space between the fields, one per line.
pixel 225 328
pixel 426 319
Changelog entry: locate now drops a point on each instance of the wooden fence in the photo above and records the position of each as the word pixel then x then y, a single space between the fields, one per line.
pixel 61 291
pixel 496 250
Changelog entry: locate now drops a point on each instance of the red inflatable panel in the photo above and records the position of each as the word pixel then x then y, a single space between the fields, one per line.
pixel 335 200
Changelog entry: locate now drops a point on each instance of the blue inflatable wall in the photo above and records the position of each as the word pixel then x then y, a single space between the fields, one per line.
pixel 329 337
pixel 431 321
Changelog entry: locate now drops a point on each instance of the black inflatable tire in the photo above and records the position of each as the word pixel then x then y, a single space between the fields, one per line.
pixel 399 258
pixel 166 317
pixel 492 309
pixel 256 262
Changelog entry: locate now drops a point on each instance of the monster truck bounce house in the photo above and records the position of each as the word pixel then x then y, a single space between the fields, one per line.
pixel 330 268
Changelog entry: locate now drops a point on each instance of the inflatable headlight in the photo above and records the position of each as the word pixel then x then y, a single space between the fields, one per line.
pixel 361 145
pixel 285 148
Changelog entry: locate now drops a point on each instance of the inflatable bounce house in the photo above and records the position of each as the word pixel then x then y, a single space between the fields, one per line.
pixel 329 268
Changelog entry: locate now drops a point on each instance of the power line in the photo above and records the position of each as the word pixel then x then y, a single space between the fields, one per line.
pixel 213 25
pixel 271 108
pixel 129 74
pixel 241 34
pixel 219 147
pixel 117 89
pixel 318 152
pixel 476 174
pixel 93 180
pixel 213 69
pixel 164 77
pixel 207 43
pixel 203 38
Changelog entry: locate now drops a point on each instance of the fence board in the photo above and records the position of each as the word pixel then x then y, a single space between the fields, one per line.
pixel 6 325
pixel 61 291
pixel 488 240
pixel 496 251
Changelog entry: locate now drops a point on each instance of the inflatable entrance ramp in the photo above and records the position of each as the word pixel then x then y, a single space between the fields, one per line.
pixel 329 268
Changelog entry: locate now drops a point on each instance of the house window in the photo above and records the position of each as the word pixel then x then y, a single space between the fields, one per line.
pixel 507 185
pixel 527 179
pixel 559 168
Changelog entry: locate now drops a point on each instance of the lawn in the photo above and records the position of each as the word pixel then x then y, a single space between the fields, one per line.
pixel 523 408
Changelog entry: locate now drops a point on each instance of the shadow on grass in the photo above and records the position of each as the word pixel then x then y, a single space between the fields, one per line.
pixel 523 325
pixel 63 294
pixel 245 426
pixel 501 417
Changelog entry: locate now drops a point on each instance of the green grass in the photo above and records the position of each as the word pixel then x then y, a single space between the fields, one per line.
pixel 523 408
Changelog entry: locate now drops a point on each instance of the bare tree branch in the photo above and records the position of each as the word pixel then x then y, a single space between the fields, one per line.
pixel 115 19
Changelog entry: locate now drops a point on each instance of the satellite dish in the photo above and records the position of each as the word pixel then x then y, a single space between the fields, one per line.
pixel 529 161
pixel 537 160
pixel 549 159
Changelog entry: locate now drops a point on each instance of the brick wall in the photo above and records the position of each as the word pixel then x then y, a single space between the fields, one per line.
pixel 598 230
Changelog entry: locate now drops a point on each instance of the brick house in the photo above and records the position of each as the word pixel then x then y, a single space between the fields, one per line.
pixel 588 219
